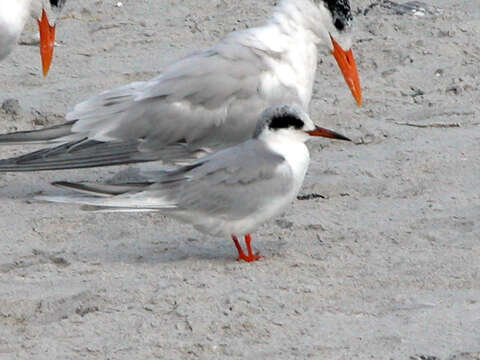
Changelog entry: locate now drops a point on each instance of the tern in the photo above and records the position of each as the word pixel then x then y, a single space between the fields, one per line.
pixel 204 102
pixel 14 15
pixel 227 193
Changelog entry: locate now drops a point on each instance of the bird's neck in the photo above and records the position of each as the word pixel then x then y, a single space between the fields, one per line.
pixel 36 7
pixel 299 16
pixel 291 51
pixel 13 15
pixel 292 36
pixel 291 146
pixel 287 143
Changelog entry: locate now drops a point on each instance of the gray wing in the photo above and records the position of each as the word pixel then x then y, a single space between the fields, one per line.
pixel 232 183
pixel 185 108
pixel 186 103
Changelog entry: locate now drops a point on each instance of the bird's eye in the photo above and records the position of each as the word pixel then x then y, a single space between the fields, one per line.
pixel 339 25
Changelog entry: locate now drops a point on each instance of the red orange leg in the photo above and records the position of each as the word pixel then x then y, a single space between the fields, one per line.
pixel 251 257
pixel 241 254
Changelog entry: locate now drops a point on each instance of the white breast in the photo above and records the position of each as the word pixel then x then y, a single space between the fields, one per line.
pixel 297 159
pixel 295 153
pixel 291 146
pixel 294 69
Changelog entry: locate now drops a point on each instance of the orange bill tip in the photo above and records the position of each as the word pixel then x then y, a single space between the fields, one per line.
pixel 47 42
pixel 346 62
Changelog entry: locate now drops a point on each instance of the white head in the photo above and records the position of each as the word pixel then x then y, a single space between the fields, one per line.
pixel 324 18
pixel 291 122
pixel 330 24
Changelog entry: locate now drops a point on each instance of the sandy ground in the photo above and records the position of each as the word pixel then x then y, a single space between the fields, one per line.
pixel 385 266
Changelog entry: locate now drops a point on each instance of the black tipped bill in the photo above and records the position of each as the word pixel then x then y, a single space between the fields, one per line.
pixel 319 131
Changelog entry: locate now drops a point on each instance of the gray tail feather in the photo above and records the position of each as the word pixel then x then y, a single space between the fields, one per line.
pixel 99 189
pixel 77 154
pixel 104 197
pixel 48 134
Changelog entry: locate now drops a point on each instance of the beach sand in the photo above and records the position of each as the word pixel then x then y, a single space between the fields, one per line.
pixel 384 265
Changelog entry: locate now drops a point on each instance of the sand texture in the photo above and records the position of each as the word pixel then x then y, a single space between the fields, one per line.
pixel 385 264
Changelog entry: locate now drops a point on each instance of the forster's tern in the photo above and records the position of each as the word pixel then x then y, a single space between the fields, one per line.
pixel 228 193
pixel 208 100
pixel 13 16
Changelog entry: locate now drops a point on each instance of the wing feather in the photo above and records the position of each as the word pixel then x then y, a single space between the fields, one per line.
pixel 224 185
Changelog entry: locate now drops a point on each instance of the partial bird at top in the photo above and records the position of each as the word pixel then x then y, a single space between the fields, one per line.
pixel 208 100
pixel 14 15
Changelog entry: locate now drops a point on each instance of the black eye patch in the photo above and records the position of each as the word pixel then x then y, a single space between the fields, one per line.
pixel 285 121
pixel 341 12
pixel 57 3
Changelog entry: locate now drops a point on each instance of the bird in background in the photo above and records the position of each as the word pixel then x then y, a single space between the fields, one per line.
pixel 206 101
pixel 13 16
pixel 229 193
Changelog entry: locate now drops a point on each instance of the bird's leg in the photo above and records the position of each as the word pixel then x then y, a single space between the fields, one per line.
pixel 241 254
pixel 251 257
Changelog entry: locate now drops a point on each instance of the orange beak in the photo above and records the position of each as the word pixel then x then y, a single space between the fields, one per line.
pixel 47 42
pixel 319 131
pixel 346 62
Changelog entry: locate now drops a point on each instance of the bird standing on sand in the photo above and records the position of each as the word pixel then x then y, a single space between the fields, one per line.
pixel 228 193
pixel 208 100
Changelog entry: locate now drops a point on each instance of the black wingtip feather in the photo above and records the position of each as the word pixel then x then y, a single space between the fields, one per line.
pixel 45 135
pixel 74 155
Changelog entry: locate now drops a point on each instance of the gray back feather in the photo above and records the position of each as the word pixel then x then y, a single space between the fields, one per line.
pixel 186 103
pixel 215 187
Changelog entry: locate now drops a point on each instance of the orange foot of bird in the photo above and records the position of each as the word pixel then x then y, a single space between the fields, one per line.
pixel 251 257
